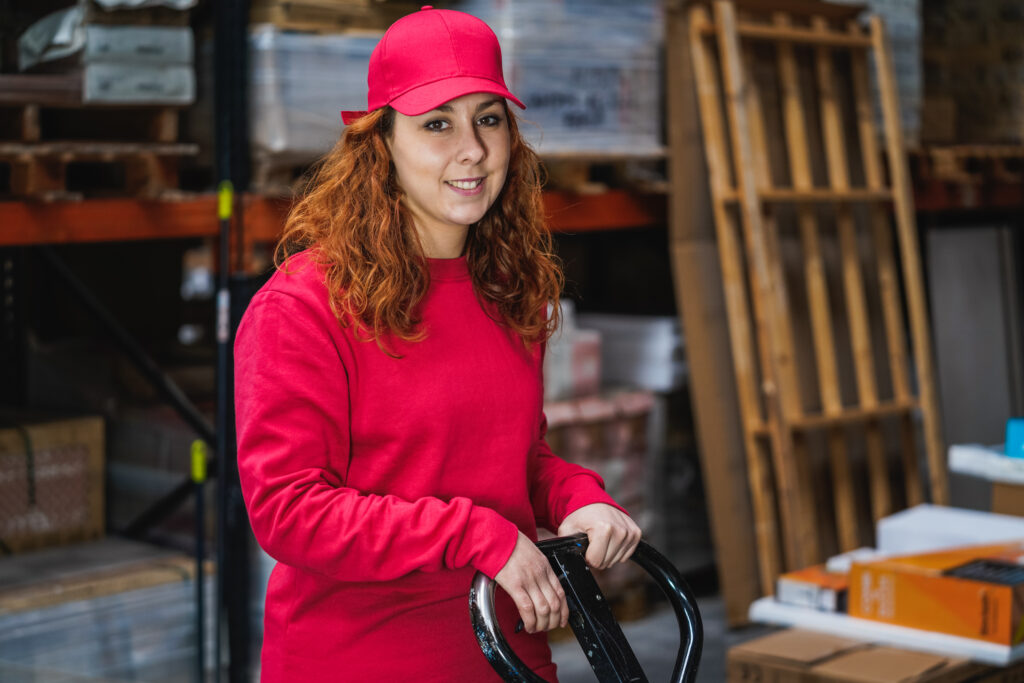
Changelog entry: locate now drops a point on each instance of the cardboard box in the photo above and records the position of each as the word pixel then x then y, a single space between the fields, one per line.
pixel 799 656
pixel 51 483
pixel 973 592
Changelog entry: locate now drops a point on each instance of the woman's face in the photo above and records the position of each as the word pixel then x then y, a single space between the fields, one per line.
pixel 451 163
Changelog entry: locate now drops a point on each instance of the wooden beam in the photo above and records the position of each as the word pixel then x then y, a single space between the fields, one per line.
pixel 799 537
pixel 761 487
pixel 795 34
pixel 853 281
pixel 906 230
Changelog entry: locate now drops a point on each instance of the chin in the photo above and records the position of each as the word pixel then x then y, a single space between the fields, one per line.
pixel 467 217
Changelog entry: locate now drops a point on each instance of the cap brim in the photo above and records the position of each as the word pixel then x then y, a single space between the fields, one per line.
pixel 350 117
pixel 430 96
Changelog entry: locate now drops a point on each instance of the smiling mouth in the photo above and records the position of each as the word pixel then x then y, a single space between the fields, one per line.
pixel 465 184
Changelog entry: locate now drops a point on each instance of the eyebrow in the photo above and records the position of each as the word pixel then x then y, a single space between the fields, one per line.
pixel 447 108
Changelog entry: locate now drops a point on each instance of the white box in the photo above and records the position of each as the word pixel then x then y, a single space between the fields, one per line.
pixel 933 527
pixel 639 351
pixel 159 45
pixel 126 83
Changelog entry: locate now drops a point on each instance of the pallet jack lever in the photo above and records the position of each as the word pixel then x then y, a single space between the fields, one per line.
pixel 591 618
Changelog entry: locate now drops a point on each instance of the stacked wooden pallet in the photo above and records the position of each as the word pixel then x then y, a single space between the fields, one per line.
pixel 54 146
pixel 329 16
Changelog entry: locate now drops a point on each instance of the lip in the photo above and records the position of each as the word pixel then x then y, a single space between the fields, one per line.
pixel 467 193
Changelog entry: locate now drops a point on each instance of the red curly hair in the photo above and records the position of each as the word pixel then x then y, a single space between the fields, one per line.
pixel 352 217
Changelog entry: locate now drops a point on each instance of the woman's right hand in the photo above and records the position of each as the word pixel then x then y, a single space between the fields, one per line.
pixel 528 579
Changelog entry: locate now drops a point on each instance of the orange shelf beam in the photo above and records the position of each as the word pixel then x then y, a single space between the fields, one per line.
pixel 25 223
pixel 567 212
pixel 106 220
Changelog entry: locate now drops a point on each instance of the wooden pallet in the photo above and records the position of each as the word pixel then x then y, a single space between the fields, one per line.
pixel 596 173
pixel 51 170
pixel 802 210
pixel 47 135
pixel 970 164
pixel 329 16
pixel 48 107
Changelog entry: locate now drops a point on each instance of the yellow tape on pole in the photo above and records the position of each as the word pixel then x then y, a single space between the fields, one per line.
pixel 199 461
pixel 225 196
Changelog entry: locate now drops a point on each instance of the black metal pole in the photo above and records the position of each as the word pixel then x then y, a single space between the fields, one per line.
pixel 199 481
pixel 232 154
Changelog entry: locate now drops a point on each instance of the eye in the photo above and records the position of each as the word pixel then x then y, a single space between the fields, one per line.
pixel 436 125
pixel 489 120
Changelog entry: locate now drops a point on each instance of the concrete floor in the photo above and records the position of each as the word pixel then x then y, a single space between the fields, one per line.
pixel 655 640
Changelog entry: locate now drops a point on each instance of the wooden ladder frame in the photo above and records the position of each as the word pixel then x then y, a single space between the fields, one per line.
pixel 745 203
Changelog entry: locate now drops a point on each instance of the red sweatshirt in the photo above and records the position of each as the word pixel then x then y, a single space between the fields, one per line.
pixel 381 485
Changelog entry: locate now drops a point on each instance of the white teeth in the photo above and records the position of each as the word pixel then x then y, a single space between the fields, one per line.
pixel 466 184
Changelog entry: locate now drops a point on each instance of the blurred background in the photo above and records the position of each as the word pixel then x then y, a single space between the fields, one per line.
pixel 791 232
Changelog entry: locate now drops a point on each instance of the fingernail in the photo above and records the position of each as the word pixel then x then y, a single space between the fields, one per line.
pixel 519 626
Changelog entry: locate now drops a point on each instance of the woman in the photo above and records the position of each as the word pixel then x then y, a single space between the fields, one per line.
pixel 389 390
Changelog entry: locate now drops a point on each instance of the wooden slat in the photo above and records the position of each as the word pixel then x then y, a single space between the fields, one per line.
pixel 796 34
pixel 888 278
pixel 817 290
pixel 94 150
pixel 906 230
pixel 848 417
pixel 762 487
pixel 853 281
pixel 789 380
pixel 697 281
pixel 799 538
pixel 816 195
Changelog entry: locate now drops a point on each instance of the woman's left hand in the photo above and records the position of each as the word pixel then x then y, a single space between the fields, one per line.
pixel 613 535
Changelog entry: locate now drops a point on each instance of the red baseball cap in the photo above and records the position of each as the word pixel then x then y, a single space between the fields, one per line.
pixel 430 57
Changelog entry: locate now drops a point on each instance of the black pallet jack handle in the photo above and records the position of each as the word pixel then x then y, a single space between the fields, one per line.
pixel 591 618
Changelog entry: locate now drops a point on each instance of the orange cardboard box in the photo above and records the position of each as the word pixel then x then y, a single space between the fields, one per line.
pixel 974 592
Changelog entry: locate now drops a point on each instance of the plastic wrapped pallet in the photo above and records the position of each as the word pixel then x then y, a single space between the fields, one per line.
pixel 129 621
pixel 299 84
pixel 587 70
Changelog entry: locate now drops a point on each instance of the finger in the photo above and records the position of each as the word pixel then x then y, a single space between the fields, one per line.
pixel 524 602
pixel 597 549
pixel 617 536
pixel 627 546
pixel 556 598
pixel 544 604
pixel 563 604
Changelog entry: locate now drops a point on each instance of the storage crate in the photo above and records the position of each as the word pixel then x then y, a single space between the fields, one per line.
pixel 51 483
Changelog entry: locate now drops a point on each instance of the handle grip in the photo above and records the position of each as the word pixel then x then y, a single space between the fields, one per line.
pixel 564 554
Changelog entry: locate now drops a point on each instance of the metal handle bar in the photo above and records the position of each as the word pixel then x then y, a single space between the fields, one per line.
pixel 590 617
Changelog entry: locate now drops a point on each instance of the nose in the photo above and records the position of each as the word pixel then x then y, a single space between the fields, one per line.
pixel 471 148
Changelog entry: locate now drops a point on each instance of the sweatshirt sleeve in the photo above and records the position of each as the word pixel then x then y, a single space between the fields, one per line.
pixel 292 417
pixel 559 488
